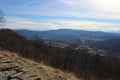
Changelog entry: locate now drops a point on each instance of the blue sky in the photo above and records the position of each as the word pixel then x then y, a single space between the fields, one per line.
pixel 96 15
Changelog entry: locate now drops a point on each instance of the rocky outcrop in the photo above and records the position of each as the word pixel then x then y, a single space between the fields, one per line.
pixel 9 70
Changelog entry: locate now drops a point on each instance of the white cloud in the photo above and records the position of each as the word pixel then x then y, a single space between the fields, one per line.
pixel 73 2
pixel 88 25
pixel 105 5
pixel 22 23
pixel 71 8
pixel 95 8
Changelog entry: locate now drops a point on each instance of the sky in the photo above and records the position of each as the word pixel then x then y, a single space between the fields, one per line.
pixel 95 15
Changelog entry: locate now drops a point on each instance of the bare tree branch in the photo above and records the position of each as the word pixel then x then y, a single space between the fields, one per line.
pixel 2 19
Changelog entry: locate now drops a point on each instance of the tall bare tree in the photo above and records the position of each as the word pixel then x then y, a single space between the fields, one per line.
pixel 2 19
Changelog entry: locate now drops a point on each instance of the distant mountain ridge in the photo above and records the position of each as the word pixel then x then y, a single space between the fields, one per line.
pixel 97 39
pixel 61 33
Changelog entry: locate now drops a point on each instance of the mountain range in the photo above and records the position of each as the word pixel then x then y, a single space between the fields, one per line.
pixel 97 39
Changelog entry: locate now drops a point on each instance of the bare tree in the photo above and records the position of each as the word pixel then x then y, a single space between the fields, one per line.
pixel 2 19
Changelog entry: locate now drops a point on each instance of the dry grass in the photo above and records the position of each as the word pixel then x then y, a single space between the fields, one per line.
pixel 43 71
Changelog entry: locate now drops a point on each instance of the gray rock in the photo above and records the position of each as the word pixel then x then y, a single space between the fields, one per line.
pixel 3 77
pixel 9 73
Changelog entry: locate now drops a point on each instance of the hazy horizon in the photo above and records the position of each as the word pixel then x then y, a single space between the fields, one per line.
pixel 63 29
pixel 40 15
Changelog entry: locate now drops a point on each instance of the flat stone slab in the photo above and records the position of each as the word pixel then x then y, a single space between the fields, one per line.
pixel 3 77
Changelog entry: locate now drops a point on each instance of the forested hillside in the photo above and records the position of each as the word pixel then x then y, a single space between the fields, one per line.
pixel 84 63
